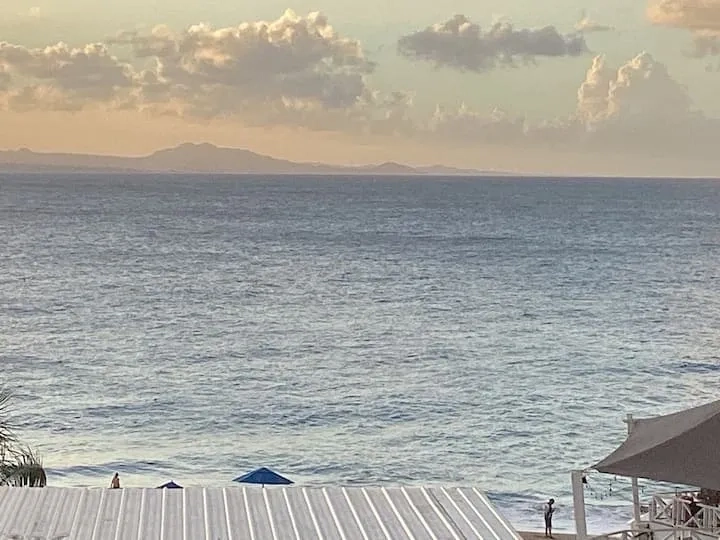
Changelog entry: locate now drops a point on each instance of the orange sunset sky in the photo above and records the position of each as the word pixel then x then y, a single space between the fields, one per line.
pixel 600 86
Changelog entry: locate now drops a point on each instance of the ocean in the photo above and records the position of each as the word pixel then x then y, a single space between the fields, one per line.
pixel 491 332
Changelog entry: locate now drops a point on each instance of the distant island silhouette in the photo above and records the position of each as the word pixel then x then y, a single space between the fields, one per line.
pixel 205 158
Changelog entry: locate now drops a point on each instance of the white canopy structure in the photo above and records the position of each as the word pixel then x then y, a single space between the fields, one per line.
pixel 681 448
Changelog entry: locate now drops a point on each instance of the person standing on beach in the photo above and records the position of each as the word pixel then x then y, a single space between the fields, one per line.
pixel 115 483
pixel 549 509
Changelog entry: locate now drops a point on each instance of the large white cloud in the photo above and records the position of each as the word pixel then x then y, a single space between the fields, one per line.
pixel 293 64
pixel 640 93
pixel 291 70
pixel 637 107
pixel 593 93
pixel 461 44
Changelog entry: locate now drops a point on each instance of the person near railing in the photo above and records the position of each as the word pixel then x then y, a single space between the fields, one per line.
pixel 709 497
pixel 694 510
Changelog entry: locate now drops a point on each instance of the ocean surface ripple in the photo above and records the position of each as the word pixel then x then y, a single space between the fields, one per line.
pixel 490 332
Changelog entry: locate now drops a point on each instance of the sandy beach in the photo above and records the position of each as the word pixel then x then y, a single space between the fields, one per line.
pixel 535 535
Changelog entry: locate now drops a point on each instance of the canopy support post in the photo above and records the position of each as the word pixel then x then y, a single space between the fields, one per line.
pixel 578 490
pixel 634 481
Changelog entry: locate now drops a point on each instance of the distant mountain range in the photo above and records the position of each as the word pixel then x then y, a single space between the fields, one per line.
pixel 204 158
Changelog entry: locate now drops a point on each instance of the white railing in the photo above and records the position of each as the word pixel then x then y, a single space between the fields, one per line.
pixel 674 533
pixel 677 511
pixel 625 534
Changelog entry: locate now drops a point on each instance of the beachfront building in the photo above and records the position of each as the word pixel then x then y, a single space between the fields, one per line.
pixel 251 513
pixel 679 448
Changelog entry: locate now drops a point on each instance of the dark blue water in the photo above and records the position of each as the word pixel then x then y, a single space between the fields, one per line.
pixel 488 332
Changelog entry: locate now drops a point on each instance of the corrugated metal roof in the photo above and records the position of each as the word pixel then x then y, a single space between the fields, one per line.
pixel 250 513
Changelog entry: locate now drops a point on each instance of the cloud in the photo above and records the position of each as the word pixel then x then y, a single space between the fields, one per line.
pixel 33 13
pixel 465 124
pixel 29 18
pixel 296 61
pixel 701 17
pixel 4 78
pixel 293 70
pixel 705 45
pixel 640 93
pixel 697 15
pixel 592 96
pixel 298 71
pixel 637 107
pixel 63 77
pixel 461 44
pixel 643 92
pixel 586 25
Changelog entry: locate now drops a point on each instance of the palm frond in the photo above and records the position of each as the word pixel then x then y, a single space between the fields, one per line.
pixel 18 466
pixel 22 468
pixel 7 436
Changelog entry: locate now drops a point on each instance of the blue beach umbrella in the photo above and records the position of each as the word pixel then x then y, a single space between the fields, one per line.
pixel 263 476
pixel 170 485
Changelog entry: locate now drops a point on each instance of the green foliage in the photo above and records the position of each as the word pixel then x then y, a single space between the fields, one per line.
pixel 19 466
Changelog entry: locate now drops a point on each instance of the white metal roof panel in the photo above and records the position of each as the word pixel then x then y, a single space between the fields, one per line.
pixel 253 513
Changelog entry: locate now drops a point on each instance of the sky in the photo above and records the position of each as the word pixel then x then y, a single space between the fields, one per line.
pixel 572 87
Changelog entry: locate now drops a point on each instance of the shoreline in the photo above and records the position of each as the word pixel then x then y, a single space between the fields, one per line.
pixel 539 535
